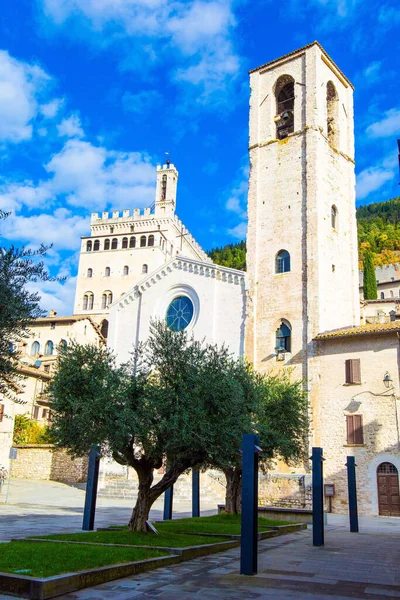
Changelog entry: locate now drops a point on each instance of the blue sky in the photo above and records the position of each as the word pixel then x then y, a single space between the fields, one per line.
pixel 94 92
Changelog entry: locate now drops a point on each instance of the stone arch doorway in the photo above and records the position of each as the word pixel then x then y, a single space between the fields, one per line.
pixel 388 490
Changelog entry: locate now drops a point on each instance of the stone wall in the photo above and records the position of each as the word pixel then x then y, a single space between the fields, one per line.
pixel 48 463
pixel 285 491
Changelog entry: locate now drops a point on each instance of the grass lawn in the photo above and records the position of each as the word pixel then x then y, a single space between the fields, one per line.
pixel 223 523
pixel 45 560
pixel 167 539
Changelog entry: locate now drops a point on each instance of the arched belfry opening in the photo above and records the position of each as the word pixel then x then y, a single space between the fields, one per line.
pixel 332 115
pixel 284 95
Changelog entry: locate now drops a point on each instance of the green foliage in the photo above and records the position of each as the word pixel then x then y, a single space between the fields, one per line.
pixel 27 431
pixel 223 523
pixel 370 286
pixel 18 306
pixel 48 559
pixel 231 255
pixel 379 231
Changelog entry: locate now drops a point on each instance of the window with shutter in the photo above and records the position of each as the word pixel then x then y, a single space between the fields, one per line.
pixel 353 370
pixel 36 412
pixel 354 429
pixel 1 412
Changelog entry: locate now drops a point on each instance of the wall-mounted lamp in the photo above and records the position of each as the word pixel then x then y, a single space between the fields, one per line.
pixel 387 380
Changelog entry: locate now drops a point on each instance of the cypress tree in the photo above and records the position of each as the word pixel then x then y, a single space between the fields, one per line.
pixel 370 287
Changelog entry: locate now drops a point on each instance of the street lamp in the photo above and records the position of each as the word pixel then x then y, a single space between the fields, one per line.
pixel 387 380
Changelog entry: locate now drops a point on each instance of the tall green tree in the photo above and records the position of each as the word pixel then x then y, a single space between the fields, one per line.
pixel 370 287
pixel 19 267
pixel 275 408
pixel 169 405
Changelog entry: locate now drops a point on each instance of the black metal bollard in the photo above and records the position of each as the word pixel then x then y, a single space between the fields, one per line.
pixel 195 493
pixel 317 497
pixel 249 530
pixel 91 489
pixel 168 501
pixel 352 489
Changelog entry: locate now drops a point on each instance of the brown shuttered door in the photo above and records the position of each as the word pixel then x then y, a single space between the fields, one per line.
pixel 388 490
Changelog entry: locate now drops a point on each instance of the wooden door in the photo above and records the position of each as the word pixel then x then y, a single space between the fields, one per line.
pixel 388 490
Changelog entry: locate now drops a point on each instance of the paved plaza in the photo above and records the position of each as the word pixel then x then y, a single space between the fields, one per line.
pixel 358 566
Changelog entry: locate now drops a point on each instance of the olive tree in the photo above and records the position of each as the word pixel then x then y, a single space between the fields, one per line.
pixel 168 405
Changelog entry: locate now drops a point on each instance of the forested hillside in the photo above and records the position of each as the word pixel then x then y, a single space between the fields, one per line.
pixel 232 255
pixel 378 229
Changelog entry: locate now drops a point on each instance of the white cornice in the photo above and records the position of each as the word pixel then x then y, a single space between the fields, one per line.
pixel 196 268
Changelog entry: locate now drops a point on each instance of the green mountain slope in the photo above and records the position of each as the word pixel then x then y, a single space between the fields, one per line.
pixel 378 228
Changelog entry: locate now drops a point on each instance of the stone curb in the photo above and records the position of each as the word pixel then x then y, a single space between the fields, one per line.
pixel 43 588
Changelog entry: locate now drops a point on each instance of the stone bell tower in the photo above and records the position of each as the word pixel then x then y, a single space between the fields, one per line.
pixel 167 180
pixel 302 240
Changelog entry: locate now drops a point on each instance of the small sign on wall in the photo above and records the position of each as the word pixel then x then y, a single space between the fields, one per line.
pixel 329 489
pixel 13 453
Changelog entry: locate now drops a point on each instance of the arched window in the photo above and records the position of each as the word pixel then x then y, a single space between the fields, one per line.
pixel 49 348
pixel 63 344
pixel 91 302
pixel 332 114
pixel 283 338
pixel 35 349
pixel 334 217
pixel 106 299
pixel 88 246
pixel 89 272
pixel 125 270
pixel 107 272
pixel 88 301
pixel 124 242
pixel 282 262
pixel 132 242
pixel 284 95
pixel 114 244
pixel 164 187
pixel 96 245
pixel 145 268
pixel 151 240
pixel 104 328
pixel 142 241
pixel 382 295
pixel 106 244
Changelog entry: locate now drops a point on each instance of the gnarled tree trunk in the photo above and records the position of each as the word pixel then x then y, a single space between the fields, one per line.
pixel 147 495
pixel 233 496
pixel 140 513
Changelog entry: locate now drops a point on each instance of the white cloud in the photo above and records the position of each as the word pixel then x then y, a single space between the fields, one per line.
pixel 194 38
pixel 62 229
pixel 71 127
pixel 389 125
pixel 50 109
pixel 141 103
pixel 239 231
pixel 56 295
pixel 20 86
pixel 87 176
pixel 372 71
pixel 373 178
